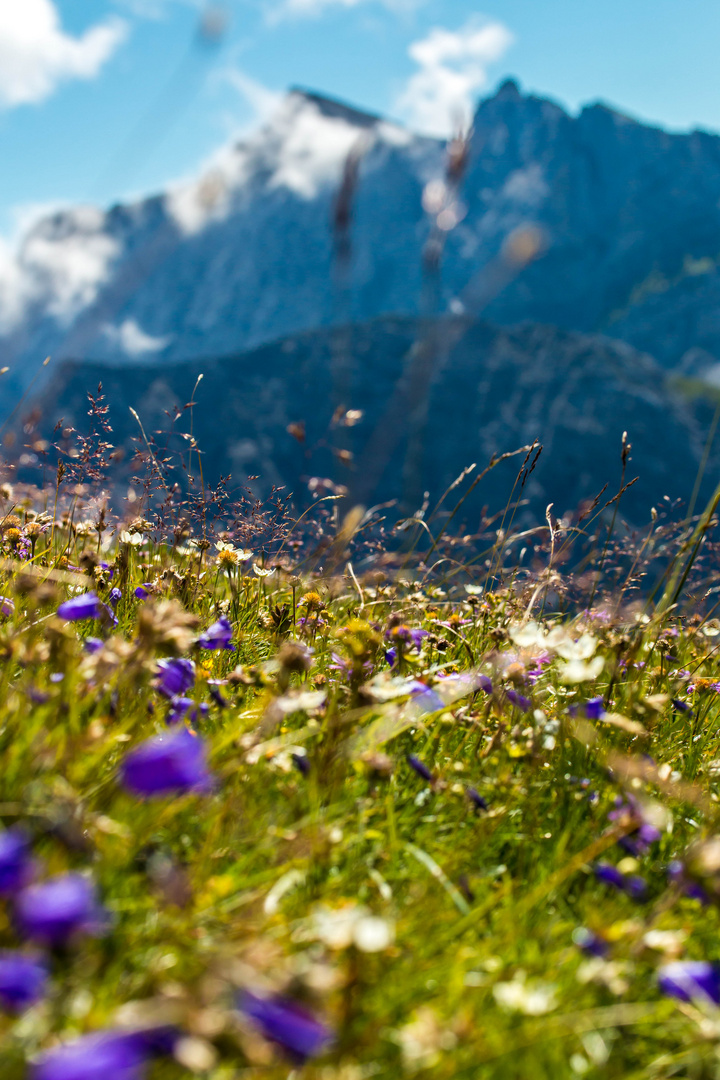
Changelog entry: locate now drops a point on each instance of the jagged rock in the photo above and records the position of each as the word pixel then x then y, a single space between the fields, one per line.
pixel 489 390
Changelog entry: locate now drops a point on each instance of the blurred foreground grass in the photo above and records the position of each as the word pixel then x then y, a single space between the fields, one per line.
pixel 350 823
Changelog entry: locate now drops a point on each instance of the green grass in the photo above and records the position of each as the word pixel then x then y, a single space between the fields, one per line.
pixel 244 886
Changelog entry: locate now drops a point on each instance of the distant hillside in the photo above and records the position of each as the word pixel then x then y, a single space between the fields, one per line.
pixel 629 217
pixel 491 390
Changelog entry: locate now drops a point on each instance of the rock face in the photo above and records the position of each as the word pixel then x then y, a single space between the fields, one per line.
pixel 329 217
pixel 629 216
pixel 490 390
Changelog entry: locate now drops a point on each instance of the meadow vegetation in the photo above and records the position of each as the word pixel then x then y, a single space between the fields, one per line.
pixel 338 796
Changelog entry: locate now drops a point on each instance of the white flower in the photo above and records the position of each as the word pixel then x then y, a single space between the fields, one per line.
pixel 134 539
pixel 533 999
pixel 373 934
pixel 577 671
pixel 582 649
pixel 353 925
pixel 262 571
pixel 529 635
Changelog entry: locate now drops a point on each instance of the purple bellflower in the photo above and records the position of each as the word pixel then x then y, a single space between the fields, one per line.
pixel 519 700
pixel 15 861
pixel 427 700
pixel 115 596
pixel 590 943
pixel 54 911
pixel 676 873
pixel 691 980
pixel 594 708
pixel 171 764
pixel 22 980
pixel 175 676
pixel 420 768
pixel 633 885
pixel 143 591
pixel 92 644
pixel 185 707
pixel 106 1055
pixel 476 798
pixel 217 636
pixel 288 1024
pixel 87 606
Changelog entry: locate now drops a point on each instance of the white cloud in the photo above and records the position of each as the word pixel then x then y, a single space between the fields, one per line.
pixel 61 263
pixel 263 102
pixel 132 339
pixel 453 67
pixel 36 54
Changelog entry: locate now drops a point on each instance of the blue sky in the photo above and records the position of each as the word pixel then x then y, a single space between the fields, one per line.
pixel 101 99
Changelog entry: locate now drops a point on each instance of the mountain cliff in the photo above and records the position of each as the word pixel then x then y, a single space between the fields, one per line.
pixel 628 214
pixel 490 390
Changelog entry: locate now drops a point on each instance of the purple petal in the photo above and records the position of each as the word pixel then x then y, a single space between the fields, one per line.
pixel 285 1022
pixel 217 636
pixel 15 861
pixel 22 980
pixel 421 769
pixel 175 676
pixel 87 606
pixel 167 764
pixel 691 980
pixel 53 911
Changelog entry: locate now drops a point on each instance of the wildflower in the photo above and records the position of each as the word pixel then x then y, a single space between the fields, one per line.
pixel 519 700
pixel 594 709
pixel 296 657
pixel 143 591
pixel 590 943
pixel 167 764
pixel 676 873
pixel 301 763
pixel 115 596
pixel 217 636
pixel 15 863
pixel 609 875
pixel 533 999
pixel 87 606
pixel 286 1023
pixel 227 558
pixel 175 676
pixel 92 645
pixel 578 670
pixel 182 706
pixel 690 980
pixel 22 980
pixel 312 601
pixel 485 683
pixel 54 911
pixel 262 571
pixel 7 607
pixel 633 885
pixel 120 1055
pixel 426 699
pixel 540 662
pixel 421 769
pixel 476 798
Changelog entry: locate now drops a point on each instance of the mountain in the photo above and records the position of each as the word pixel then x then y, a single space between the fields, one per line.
pixel 628 218
pixel 485 390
